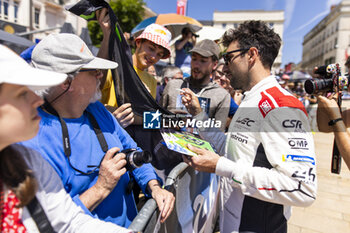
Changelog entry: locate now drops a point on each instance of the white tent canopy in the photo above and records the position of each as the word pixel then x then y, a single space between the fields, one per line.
pixel 211 33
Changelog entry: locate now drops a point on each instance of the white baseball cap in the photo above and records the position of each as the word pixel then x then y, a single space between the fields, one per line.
pixel 14 70
pixel 66 53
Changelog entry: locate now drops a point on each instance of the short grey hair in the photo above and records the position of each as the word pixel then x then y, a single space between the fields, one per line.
pixel 170 71
pixel 220 62
pixel 46 92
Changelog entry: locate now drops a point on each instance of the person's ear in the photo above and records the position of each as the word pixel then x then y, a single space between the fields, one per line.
pixel 215 62
pixel 253 53
pixel 67 84
pixel 138 43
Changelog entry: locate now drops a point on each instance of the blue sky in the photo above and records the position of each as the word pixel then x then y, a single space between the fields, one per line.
pixel 300 16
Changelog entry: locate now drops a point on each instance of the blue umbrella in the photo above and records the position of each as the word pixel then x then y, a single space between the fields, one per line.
pixel 141 26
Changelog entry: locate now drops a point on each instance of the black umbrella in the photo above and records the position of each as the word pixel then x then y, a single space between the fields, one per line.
pixel 67 28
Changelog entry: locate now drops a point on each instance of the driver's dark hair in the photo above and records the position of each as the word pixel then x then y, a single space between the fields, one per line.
pixel 255 34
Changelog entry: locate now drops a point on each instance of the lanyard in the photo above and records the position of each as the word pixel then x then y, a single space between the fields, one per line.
pixel 65 136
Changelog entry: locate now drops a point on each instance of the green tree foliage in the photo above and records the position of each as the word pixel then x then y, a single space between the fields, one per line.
pixel 129 13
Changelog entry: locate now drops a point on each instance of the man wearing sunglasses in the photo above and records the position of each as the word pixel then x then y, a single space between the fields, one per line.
pixel 83 141
pixel 268 158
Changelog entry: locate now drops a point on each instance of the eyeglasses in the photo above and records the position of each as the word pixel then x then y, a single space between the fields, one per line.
pixel 228 58
pixel 97 72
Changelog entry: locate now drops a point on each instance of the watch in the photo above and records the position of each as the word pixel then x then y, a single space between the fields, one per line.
pixel 333 122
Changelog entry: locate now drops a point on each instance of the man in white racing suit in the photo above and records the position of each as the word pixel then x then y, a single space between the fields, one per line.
pixel 267 161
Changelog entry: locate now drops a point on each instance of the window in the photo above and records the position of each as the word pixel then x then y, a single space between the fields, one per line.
pixel 6 9
pixel 0 9
pixel 36 17
pixel 15 8
pixel 336 43
pixel 224 25
pixel 235 25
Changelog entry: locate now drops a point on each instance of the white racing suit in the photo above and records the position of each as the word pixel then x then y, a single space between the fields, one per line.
pixel 267 163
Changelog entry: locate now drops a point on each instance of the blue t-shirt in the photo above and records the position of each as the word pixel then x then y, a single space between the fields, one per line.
pixel 183 56
pixel 233 108
pixel 119 207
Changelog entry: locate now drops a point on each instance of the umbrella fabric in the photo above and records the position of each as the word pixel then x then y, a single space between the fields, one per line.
pixel 174 22
pixel 5 36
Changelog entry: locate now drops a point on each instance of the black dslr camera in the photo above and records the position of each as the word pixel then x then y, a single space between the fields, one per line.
pixel 135 159
pixel 330 80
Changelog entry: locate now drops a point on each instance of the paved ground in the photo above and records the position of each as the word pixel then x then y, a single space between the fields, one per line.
pixel 330 213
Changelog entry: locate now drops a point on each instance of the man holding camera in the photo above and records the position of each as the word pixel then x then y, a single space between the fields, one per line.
pixel 182 49
pixel 83 141
pixel 330 119
pixel 268 160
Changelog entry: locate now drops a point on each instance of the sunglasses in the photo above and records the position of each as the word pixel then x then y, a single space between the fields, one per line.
pixel 228 58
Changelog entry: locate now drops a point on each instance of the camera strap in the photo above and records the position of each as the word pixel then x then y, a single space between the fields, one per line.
pixel 65 136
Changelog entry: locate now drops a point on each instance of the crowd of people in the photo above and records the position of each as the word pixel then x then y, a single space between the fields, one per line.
pixel 64 154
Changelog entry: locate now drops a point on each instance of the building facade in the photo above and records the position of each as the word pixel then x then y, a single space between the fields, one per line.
pixel 231 19
pixel 329 41
pixel 42 16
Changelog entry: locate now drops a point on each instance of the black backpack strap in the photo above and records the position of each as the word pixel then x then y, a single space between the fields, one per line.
pixel 39 216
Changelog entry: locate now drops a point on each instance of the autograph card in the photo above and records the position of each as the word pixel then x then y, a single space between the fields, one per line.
pixel 177 141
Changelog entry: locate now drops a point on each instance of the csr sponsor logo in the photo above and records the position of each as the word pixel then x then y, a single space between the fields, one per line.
pixel 245 121
pixel 298 143
pixel 292 124
pixel 297 125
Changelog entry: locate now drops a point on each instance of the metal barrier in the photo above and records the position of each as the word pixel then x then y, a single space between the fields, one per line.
pixel 146 219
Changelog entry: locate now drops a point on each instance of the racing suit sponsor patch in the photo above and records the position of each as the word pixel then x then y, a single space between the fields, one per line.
pixel 298 158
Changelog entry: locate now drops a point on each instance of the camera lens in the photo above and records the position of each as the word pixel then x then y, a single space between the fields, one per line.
pixel 135 159
pixel 314 86
pixel 142 157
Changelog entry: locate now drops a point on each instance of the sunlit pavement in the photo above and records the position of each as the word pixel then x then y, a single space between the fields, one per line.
pixel 331 211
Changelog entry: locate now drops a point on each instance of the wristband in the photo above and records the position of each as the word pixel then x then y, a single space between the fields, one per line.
pixel 332 122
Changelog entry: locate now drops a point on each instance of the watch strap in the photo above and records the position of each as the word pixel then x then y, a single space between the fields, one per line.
pixel 333 122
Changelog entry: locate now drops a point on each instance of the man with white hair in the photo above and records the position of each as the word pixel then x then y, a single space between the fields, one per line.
pixel 169 73
pixel 83 141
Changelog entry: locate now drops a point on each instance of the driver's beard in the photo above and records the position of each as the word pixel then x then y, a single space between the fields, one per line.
pixel 97 96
